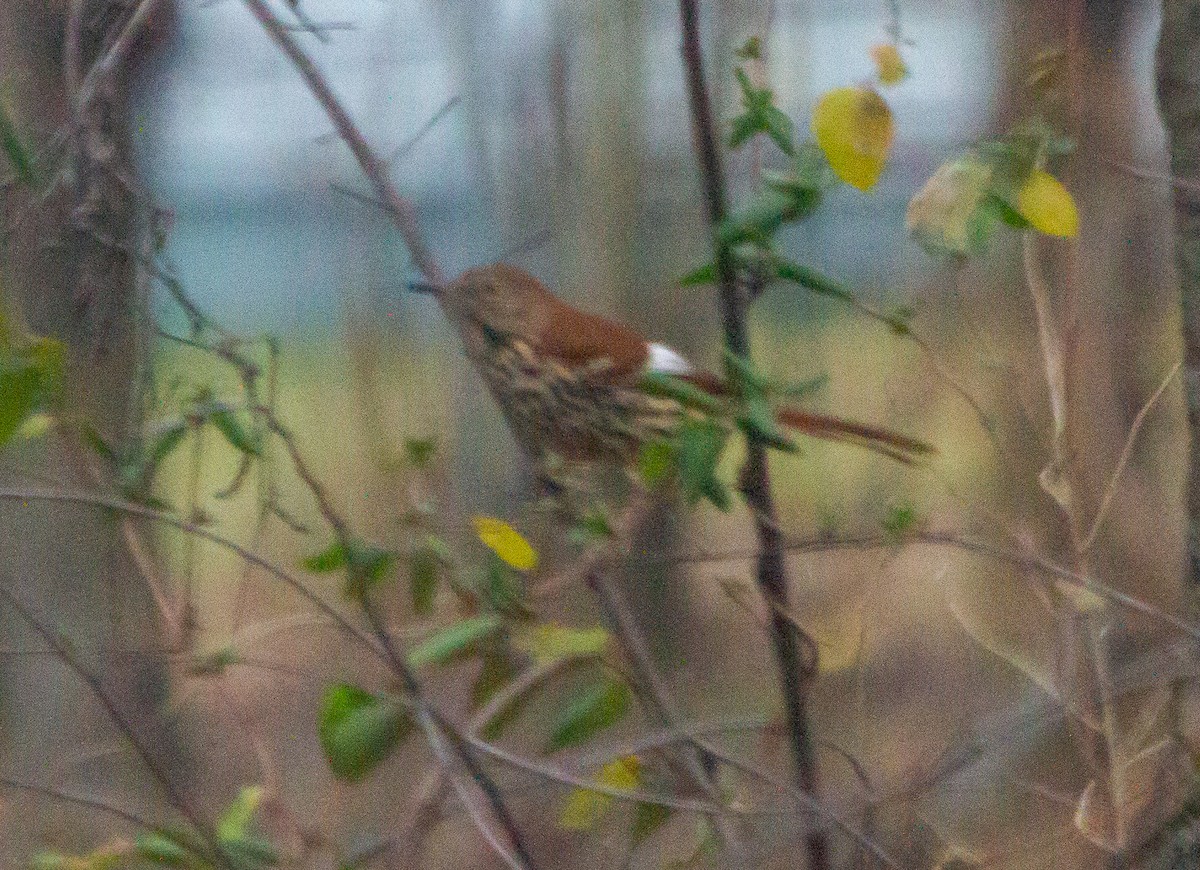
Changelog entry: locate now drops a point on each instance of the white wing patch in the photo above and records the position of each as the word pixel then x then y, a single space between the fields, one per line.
pixel 666 361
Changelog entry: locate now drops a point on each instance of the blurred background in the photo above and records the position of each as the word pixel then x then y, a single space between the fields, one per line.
pixel 555 135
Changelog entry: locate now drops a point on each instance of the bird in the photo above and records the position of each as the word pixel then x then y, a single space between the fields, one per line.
pixel 572 384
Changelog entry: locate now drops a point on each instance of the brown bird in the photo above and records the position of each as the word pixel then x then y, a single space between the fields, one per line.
pixel 571 383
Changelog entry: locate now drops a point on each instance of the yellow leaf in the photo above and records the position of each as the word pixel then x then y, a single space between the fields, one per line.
pixel 549 642
pixel 506 542
pixel 583 807
pixel 854 127
pixel 889 66
pixel 1047 205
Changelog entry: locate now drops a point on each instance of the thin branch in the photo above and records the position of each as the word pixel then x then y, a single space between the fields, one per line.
pixel 123 725
pixel 408 144
pixel 1127 451
pixel 795 673
pixel 401 210
pixel 290 579
pixel 78 800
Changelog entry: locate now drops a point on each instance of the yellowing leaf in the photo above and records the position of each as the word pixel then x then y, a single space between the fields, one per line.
pixel 889 66
pixel 35 426
pixel 549 642
pixel 1045 203
pixel 506 542
pixel 583 807
pixel 854 127
pixel 943 216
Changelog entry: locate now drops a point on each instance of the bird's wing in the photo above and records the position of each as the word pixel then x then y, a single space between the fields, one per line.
pixel 577 338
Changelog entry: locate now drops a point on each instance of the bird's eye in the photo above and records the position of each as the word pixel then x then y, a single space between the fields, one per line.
pixel 493 337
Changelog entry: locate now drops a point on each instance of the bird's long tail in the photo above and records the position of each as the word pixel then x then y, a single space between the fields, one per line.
pixel 891 444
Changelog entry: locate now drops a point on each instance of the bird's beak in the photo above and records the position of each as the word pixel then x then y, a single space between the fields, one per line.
pixel 425 287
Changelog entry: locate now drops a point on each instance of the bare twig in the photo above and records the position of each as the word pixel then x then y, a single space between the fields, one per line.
pixel 178 800
pixel 796 674
pixel 400 210
pixel 78 800
pixel 1127 451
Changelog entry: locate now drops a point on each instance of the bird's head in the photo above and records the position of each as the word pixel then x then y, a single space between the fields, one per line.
pixel 493 302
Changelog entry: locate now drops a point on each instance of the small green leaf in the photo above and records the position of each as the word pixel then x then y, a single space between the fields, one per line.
pixel 1001 208
pixel 656 459
pixel 248 853
pixel 453 640
pixel 236 818
pixel 51 861
pixel 240 438
pixel 597 708
pixel 420 451
pixel 758 419
pixel 900 519
pixel 706 274
pixel 660 384
pixel 330 559
pixel 358 730
pixel 496 672
pixel 20 391
pixel 166 440
pixel 812 280
pixel 647 819
pixel 505 588
pixel 751 49
pixel 584 808
pixel 778 126
pixel 18 155
pixel 424 565
pixel 161 847
pixel 214 663
pixel 366 565
pixel 94 440
pixel 699 447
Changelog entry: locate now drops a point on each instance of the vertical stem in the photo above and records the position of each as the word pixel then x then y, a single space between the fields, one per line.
pixel 794 651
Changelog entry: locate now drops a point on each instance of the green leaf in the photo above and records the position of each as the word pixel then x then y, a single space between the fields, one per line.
pixel 330 559
pixel 358 730
pixel 233 822
pixel 214 663
pixel 453 640
pixel 691 396
pixel 764 213
pixel 161 847
pixel 597 708
pixel 778 126
pixel 812 280
pixel 424 565
pixel 15 150
pixel 745 127
pixel 1001 208
pixel 366 565
pixel 20 392
pixel 758 419
pixel 647 819
pixel 167 440
pixel 241 439
pixel 900 519
pixel 495 673
pixel 656 459
pixel 420 451
pixel 706 274
pixel 700 443
pixel 248 853
pixel 99 446
pixel 51 861
pixel 751 49
pixel 504 588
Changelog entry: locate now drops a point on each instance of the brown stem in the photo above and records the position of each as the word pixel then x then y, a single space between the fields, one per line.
pixel 791 645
